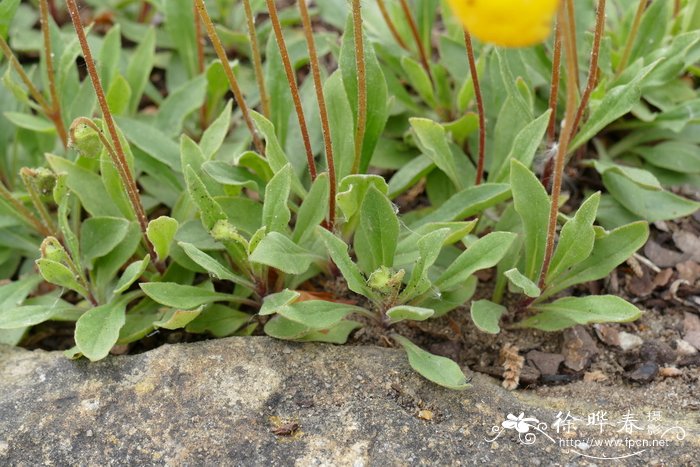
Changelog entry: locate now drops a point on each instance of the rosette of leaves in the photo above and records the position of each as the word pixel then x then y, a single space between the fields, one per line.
pixel 403 274
pixel 584 252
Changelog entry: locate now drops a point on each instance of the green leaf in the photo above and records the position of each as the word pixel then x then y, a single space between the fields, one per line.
pixel 467 203
pixel 8 8
pixel 337 334
pixel 151 141
pixel 532 204
pixel 652 205
pixel 58 274
pixel 179 104
pixel 525 146
pixel 570 311
pixel 285 329
pixel 576 238
pixel 316 314
pixel 118 95
pixel 97 331
pixel 212 266
pixel 177 319
pixel 29 315
pixel 179 23
pixel 100 235
pixel 482 254
pixel 14 293
pixel 439 370
pixel 433 143
pixel 30 122
pixel 352 190
pixel 281 253
pixel 161 233
pixel 338 251
pixel 528 287
pixel 276 214
pixel 406 312
pixel 377 94
pixel 214 135
pixel 313 209
pixel 210 210
pixel 418 79
pixel 342 124
pixel 609 251
pixel 486 315
pixel 377 235
pixel 219 320
pixel 186 297
pixel 429 247
pixel 274 302
pixel 131 274
pixel 139 69
pixel 672 155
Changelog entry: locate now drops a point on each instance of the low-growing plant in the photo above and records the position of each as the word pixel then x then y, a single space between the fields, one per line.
pixel 139 198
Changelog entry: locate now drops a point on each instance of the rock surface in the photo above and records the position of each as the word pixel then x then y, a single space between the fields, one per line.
pixel 256 401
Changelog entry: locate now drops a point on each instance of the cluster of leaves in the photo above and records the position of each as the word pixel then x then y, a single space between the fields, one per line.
pixel 236 237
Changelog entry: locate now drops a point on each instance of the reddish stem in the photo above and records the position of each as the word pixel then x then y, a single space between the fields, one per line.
pixel 479 106
pixel 390 24
pixel 416 37
pixel 316 73
pixel 361 84
pixel 293 87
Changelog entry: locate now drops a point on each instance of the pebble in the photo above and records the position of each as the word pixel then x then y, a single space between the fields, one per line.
pixel 693 338
pixel 547 363
pixel 579 348
pixel 644 373
pixel 629 341
pixel 607 334
pixel 657 351
pixel 684 348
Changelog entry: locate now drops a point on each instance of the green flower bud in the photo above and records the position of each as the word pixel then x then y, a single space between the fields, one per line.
pixel 85 140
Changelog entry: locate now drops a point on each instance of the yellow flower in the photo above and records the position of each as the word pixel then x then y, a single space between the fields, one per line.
pixel 509 23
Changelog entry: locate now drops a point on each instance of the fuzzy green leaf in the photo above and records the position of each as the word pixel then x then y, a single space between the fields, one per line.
pixel 439 370
pixel 486 315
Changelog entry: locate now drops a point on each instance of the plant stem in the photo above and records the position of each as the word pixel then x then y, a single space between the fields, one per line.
pixel 571 18
pixel 203 118
pixel 361 84
pixel 118 157
pixel 390 24
pixel 27 177
pixel 479 106
pixel 46 109
pixel 293 87
pixel 636 22
pixel 257 60
pixel 24 213
pixel 53 10
pixel 416 36
pixel 554 93
pixel 562 149
pixel 593 69
pixel 316 73
pixel 233 82
pixel 55 114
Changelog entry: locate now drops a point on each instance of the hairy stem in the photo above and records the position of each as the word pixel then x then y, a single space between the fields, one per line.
pixel 571 19
pixel 55 114
pixel 257 59
pixel 293 87
pixel 361 84
pixel 479 107
pixel 232 81
pixel 416 37
pixel 46 108
pixel 562 149
pixel 118 157
pixel 592 69
pixel 203 117
pixel 636 22
pixel 27 176
pixel 390 24
pixel 23 213
pixel 323 111
pixel 554 93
